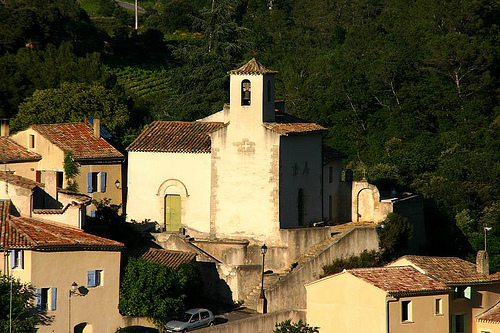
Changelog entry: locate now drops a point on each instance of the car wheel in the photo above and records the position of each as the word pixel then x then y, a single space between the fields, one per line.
pixel 211 323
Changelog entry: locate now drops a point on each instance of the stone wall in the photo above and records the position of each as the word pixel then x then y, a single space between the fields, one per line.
pixel 291 293
pixel 258 323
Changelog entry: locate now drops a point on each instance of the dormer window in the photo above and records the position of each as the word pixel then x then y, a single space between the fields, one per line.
pixel 245 92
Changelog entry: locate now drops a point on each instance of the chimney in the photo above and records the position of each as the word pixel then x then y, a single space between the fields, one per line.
pixel 4 127
pixel 97 128
pixel 482 264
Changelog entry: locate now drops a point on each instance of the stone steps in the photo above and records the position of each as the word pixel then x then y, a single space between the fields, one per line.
pixel 270 280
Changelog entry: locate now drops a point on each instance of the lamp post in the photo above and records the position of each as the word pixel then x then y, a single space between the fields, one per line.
pixel 262 299
pixel 72 291
pixel 485 230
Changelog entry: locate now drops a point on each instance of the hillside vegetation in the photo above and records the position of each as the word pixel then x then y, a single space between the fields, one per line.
pixel 409 90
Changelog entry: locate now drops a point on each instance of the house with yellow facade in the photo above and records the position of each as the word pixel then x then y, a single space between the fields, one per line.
pixel 98 163
pixel 475 292
pixel 76 275
pixel 378 300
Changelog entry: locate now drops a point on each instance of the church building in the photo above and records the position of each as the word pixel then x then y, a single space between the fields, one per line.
pixel 244 172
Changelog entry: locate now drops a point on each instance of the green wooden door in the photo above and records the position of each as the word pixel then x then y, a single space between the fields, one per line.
pixel 173 212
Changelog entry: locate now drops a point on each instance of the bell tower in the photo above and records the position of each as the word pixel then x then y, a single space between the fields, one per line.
pixel 252 94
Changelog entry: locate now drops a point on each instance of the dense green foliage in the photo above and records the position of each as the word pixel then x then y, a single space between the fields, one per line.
pixel 300 327
pixel 24 316
pixel 72 102
pixel 365 259
pixel 408 90
pixel 156 291
pixel 395 234
pixel 71 169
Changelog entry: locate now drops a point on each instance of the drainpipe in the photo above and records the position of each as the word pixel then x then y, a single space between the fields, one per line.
pixel 387 300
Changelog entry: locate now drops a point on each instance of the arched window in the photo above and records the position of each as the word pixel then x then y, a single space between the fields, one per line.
pixel 300 207
pixel 245 92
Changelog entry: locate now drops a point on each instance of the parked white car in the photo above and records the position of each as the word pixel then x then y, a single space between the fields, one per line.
pixel 191 320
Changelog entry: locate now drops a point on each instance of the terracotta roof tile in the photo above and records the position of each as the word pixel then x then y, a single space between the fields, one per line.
pixel 78 139
pixel 490 315
pixel 11 151
pixel 284 129
pixel 175 136
pixel 22 232
pixel 253 67
pixel 288 124
pixel 399 280
pixel 172 259
pixel 451 270
pixel 17 180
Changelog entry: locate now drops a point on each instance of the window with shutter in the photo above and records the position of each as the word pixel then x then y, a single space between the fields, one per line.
pixel 103 182
pixel 42 299
pixel 17 259
pixel 91 279
pixel 53 298
pixel 39 299
pixel 89 183
pixel 94 278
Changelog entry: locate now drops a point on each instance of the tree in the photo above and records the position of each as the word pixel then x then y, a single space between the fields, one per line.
pixel 29 70
pixel 300 327
pixel 25 318
pixel 73 102
pixel 365 259
pixel 201 84
pixel 155 291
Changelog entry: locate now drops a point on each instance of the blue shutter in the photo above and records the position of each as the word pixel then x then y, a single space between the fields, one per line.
pixel 90 278
pixel 92 213
pixel 21 259
pixel 39 299
pixel 466 328
pixel 53 299
pixel 89 182
pixel 12 258
pixel 103 182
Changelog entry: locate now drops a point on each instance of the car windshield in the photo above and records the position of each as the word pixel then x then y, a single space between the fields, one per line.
pixel 184 317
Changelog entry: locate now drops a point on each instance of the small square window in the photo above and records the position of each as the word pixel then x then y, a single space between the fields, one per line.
pixel 32 141
pixel 463 292
pixel 406 311
pixel 94 278
pixel 438 306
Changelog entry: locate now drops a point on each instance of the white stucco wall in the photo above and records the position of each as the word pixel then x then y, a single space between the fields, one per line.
pixel 152 175
pixel 300 168
pixel 245 176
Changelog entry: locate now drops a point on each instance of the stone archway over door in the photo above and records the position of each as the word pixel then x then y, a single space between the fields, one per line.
pixel 173 209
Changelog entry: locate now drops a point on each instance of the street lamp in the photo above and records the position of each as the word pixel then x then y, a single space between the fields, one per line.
pixel 486 228
pixel 73 291
pixel 263 250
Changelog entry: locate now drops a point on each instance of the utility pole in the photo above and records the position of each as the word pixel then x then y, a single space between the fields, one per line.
pixel 136 16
